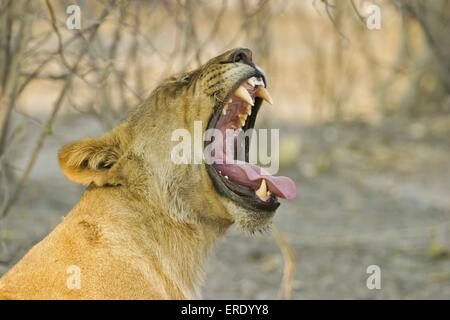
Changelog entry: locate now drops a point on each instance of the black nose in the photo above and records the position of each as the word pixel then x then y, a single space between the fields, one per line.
pixel 243 55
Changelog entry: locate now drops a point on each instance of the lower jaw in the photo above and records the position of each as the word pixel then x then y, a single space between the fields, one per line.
pixel 243 195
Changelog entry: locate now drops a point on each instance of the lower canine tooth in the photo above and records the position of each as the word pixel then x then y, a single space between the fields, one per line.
pixel 264 94
pixel 262 191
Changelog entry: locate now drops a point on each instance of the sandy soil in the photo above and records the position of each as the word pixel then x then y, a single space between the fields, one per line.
pixel 368 196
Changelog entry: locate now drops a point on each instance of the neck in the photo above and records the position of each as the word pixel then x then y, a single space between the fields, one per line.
pixel 183 249
pixel 173 248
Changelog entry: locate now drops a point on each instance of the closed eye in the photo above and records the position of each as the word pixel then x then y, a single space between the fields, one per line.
pixel 239 57
pixel 186 78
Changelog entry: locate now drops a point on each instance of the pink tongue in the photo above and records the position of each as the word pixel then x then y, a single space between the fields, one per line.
pixel 251 175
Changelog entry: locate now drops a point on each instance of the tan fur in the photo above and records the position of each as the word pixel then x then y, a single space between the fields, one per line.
pixel 144 226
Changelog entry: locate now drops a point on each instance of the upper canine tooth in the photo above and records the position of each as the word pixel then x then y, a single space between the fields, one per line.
pixel 263 93
pixel 242 93
pixel 262 191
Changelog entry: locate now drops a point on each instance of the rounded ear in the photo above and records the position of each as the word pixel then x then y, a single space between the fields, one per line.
pixel 89 161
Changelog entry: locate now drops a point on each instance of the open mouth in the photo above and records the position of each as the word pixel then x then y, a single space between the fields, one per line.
pixel 245 183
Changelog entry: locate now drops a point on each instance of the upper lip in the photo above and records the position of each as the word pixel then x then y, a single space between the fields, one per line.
pixel 242 194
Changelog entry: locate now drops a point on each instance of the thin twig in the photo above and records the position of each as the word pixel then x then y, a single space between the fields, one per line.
pixel 289 259
pixel 50 120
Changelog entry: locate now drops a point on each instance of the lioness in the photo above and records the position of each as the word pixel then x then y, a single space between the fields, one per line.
pixel 144 225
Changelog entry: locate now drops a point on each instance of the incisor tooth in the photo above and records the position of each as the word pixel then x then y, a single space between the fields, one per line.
pixel 262 191
pixel 249 110
pixel 258 82
pixel 251 81
pixel 242 93
pixel 263 93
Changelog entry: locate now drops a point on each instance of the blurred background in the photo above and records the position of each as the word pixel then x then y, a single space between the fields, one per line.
pixel 364 114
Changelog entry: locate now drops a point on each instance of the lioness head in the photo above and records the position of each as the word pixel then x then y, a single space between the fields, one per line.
pixel 137 156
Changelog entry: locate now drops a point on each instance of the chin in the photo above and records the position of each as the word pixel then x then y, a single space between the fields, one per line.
pixel 250 220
